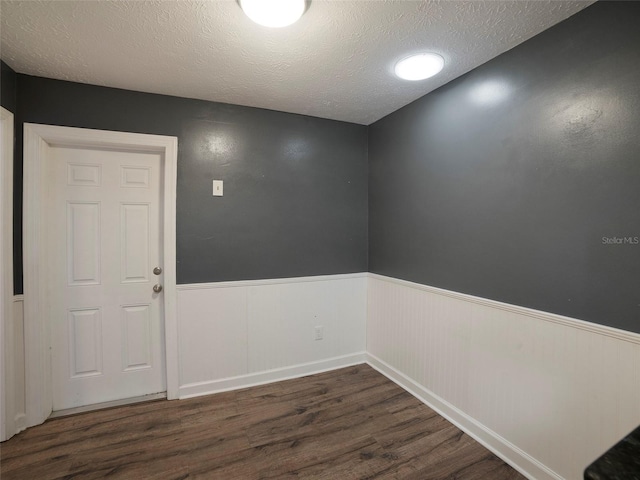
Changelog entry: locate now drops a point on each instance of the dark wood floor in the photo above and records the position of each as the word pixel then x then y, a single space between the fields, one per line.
pixel 351 423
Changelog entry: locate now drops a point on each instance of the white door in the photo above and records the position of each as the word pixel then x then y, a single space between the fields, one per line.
pixel 104 241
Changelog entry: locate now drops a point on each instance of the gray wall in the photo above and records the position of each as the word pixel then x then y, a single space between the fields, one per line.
pixel 503 182
pixel 295 200
pixel 8 94
pixel 7 87
pixel 500 184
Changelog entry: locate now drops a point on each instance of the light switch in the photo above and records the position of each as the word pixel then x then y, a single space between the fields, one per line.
pixel 217 188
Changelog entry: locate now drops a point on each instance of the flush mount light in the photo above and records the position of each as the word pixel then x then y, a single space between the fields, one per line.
pixel 420 66
pixel 273 13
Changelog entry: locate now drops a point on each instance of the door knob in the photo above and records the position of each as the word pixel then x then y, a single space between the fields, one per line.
pixel 157 288
pixel 157 271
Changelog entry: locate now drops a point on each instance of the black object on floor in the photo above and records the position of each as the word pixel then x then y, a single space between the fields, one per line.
pixel 622 461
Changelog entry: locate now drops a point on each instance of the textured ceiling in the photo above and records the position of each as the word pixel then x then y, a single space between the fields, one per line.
pixel 336 62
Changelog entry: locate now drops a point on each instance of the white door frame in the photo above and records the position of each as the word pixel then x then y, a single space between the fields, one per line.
pixel 39 399
pixel 7 408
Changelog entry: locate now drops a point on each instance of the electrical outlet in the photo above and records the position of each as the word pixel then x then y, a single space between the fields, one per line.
pixel 319 332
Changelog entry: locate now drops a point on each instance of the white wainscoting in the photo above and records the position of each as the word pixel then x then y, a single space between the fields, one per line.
pixel 237 334
pixel 547 393
pixel 15 406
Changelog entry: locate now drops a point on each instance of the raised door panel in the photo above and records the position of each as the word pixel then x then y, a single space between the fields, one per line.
pixel 83 243
pixel 136 326
pixel 134 243
pixel 135 177
pixel 84 175
pixel 85 342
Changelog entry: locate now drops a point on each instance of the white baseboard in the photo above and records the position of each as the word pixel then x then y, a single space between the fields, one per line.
pixel 269 376
pixel 518 459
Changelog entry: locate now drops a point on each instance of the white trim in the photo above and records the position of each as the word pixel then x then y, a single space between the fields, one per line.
pixel 269 376
pixel 37 336
pixel 271 281
pixel 6 272
pixel 517 458
pixel 612 332
pixel 111 404
pixel 169 274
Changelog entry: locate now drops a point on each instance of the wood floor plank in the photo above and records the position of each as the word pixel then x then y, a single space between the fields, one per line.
pixel 346 424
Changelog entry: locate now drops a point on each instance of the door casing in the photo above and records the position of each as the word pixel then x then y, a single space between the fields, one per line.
pixel 7 404
pixel 39 399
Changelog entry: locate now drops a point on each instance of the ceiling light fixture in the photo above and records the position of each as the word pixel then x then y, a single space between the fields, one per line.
pixel 273 13
pixel 420 66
